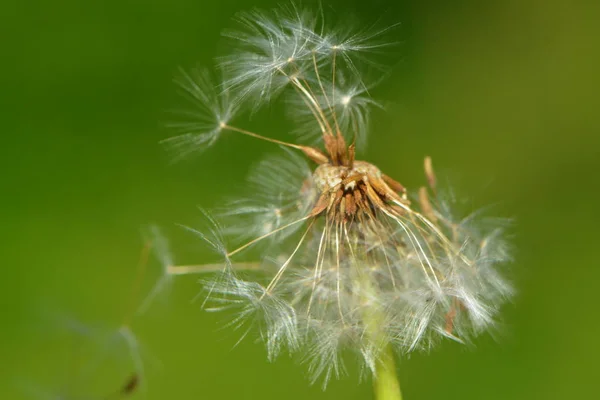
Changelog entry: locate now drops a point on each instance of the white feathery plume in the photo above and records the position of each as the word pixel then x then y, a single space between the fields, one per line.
pixel 346 102
pixel 270 49
pixel 200 125
pixel 162 252
pixel 280 192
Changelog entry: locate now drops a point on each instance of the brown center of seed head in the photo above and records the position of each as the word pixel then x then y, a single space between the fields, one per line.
pixel 357 191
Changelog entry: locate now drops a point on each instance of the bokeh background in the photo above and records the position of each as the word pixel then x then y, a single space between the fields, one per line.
pixel 502 94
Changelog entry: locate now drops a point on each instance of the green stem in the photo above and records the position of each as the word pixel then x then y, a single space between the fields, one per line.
pixel 385 382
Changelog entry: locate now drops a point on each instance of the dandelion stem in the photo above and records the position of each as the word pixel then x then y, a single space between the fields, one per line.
pixel 386 383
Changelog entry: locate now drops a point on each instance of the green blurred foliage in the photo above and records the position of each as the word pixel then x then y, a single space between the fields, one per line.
pixel 503 94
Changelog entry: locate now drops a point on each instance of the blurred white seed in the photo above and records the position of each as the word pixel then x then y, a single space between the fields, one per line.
pixel 161 250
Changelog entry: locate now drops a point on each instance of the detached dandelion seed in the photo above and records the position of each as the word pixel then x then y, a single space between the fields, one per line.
pixel 350 260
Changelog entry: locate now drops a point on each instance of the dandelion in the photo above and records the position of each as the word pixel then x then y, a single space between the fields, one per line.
pixel 350 260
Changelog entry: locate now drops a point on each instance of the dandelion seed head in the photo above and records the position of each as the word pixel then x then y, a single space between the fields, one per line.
pixel 372 269
pixel 351 260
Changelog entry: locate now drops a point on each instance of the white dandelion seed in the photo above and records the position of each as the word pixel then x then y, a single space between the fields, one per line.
pixel 280 192
pixel 272 49
pixel 345 104
pixel 351 265
pixel 200 126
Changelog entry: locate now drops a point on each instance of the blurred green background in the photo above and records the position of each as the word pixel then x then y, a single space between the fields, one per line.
pixel 503 94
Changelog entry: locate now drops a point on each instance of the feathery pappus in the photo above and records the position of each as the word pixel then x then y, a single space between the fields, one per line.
pixel 351 261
